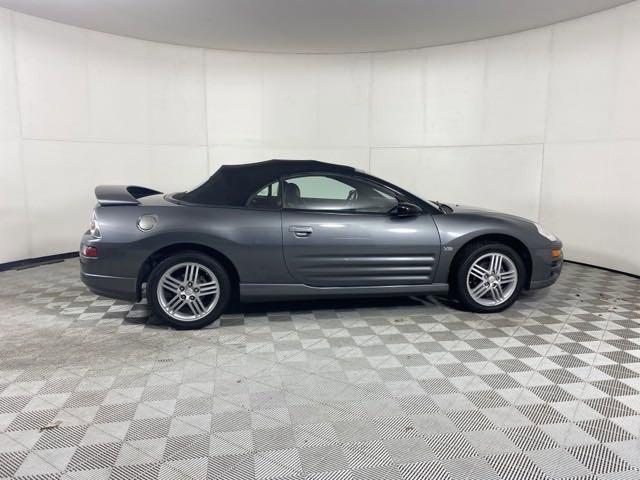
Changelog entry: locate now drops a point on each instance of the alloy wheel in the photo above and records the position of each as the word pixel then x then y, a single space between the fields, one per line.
pixel 492 279
pixel 188 291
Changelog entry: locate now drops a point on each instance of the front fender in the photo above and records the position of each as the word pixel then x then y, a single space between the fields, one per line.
pixel 457 231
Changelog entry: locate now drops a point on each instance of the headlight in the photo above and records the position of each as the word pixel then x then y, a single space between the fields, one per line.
pixel 545 233
pixel 94 228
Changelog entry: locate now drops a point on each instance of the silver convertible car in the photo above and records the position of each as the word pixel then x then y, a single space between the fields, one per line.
pixel 284 229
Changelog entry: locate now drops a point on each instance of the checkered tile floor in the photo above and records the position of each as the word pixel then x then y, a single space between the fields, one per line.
pixel 371 389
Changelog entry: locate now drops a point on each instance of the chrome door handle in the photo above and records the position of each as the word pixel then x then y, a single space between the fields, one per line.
pixel 301 231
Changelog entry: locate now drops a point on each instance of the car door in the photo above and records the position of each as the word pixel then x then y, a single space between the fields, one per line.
pixel 337 232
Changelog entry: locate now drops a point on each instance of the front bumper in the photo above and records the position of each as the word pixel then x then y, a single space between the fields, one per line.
pixel 545 269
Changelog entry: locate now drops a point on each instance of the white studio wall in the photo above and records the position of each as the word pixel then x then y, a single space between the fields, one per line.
pixel 542 124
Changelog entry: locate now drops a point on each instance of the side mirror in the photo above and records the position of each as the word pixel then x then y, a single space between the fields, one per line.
pixel 405 209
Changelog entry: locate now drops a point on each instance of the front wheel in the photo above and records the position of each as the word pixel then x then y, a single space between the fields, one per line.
pixel 189 290
pixel 489 278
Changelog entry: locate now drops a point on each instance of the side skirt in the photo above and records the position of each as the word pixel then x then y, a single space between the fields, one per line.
pixel 255 292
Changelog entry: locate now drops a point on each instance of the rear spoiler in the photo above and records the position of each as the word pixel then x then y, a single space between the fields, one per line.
pixel 109 195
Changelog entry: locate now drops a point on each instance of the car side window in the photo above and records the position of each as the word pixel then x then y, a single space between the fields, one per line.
pixel 336 193
pixel 267 198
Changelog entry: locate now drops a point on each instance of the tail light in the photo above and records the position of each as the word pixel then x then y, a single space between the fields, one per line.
pixel 89 251
pixel 94 228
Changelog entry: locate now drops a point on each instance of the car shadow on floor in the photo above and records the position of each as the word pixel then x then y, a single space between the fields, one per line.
pixel 301 306
pixel 237 311
pixel 352 303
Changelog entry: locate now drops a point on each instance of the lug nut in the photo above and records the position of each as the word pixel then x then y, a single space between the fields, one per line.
pixel 189 284
pixel 181 289
pixel 197 290
pixel 183 296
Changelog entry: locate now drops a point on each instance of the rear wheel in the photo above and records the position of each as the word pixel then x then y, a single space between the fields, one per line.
pixel 189 290
pixel 489 278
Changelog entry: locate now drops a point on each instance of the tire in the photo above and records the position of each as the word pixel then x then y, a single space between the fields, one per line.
pixel 499 292
pixel 190 297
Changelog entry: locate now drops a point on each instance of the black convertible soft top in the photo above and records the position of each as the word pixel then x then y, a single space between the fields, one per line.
pixel 233 184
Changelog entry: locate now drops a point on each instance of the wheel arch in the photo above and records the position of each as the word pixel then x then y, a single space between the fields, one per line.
pixel 505 239
pixel 160 254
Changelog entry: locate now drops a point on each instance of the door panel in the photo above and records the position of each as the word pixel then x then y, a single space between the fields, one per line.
pixel 327 249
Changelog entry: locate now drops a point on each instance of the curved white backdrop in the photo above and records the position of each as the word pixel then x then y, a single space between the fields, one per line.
pixel 544 124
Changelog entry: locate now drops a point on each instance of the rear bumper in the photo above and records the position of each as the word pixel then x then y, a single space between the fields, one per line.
pixel 545 268
pixel 112 287
pixel 98 273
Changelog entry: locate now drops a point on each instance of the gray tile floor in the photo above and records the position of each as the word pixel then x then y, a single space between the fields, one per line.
pixel 371 389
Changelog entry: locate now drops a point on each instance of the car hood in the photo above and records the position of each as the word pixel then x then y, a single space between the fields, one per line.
pixel 483 212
